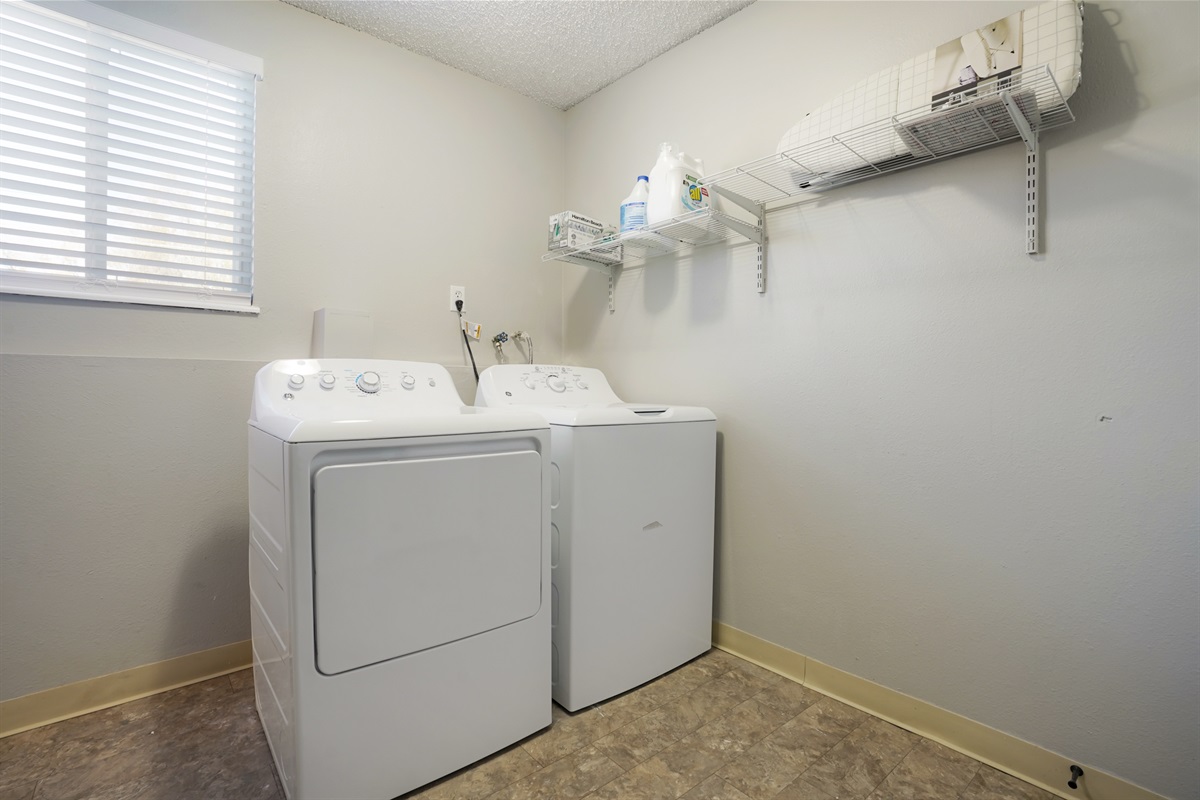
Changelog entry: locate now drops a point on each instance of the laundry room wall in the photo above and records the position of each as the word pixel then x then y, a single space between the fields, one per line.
pixel 383 177
pixel 964 473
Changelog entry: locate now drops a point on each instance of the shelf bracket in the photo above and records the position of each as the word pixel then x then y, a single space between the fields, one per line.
pixel 752 232
pixel 756 233
pixel 1032 153
pixel 1031 197
pixel 609 270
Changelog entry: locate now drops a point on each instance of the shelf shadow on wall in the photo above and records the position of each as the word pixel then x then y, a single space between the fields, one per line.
pixel 657 286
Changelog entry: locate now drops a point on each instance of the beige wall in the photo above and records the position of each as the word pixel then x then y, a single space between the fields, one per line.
pixel 916 483
pixel 915 486
pixel 383 177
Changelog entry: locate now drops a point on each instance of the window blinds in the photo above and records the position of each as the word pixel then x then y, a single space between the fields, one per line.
pixel 126 167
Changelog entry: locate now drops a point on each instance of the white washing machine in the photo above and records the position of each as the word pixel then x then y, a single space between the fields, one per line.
pixel 399 575
pixel 632 503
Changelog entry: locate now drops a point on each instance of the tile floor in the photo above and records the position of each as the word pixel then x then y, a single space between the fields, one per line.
pixel 718 728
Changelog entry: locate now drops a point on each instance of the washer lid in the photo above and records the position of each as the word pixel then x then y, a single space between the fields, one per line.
pixel 343 399
pixel 621 414
pixel 574 396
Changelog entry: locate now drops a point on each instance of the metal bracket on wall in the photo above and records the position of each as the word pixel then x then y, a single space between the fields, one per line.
pixel 609 270
pixel 1032 154
pixel 756 233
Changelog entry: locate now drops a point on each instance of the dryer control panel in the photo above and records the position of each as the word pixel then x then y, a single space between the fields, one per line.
pixel 543 385
pixel 351 395
pixel 331 387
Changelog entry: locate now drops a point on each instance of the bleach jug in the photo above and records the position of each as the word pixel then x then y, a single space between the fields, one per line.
pixel 633 209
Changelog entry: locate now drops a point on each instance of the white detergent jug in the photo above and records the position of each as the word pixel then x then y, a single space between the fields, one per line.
pixel 674 185
pixel 664 201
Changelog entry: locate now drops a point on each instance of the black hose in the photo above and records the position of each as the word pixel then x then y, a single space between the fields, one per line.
pixel 458 304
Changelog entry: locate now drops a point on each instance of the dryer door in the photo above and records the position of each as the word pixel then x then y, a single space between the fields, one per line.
pixel 413 554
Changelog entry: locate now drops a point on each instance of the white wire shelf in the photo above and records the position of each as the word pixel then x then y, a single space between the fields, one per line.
pixel 1017 107
pixel 694 229
pixel 908 139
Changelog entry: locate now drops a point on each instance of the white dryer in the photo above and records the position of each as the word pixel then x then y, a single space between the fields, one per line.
pixel 632 502
pixel 399 575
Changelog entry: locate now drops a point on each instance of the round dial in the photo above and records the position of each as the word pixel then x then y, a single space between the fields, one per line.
pixel 296 381
pixel 556 383
pixel 581 383
pixel 368 382
pixel 529 384
pixel 328 381
pixel 408 381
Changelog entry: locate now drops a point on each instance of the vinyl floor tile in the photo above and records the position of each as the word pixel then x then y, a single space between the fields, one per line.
pixel 802 790
pixel 718 697
pixel 929 770
pixel 861 761
pixel 483 778
pixel 242 679
pixel 992 784
pixel 717 728
pixel 732 735
pixel 570 777
pixel 25 758
pixel 666 776
pixel 566 735
pixel 22 791
pixel 647 736
pixel 714 789
pixel 788 696
pixel 767 768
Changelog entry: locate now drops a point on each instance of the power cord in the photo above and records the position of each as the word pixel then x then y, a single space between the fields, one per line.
pixel 458 304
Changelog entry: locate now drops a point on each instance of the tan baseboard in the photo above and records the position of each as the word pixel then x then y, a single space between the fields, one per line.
pixel 93 694
pixel 1005 752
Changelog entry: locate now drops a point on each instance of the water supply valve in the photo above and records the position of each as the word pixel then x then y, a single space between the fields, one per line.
pixel 498 342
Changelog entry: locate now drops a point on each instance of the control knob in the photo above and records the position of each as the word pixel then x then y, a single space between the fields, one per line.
pixel 529 384
pixel 328 381
pixel 296 381
pixel 368 382
pixel 581 383
pixel 556 383
pixel 408 381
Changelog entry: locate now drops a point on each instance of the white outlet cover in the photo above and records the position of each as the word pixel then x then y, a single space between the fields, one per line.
pixel 457 293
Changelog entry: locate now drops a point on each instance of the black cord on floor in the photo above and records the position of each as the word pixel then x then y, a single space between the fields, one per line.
pixel 470 352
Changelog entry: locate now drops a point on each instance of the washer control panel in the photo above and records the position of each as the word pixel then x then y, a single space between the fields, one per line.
pixel 334 388
pixel 544 384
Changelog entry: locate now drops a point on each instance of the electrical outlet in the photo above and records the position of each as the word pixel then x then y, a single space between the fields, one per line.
pixel 457 293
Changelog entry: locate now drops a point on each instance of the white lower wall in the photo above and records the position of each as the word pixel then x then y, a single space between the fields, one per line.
pixel 958 471
pixel 123 512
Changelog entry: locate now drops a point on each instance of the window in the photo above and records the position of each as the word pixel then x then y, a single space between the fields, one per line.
pixel 126 161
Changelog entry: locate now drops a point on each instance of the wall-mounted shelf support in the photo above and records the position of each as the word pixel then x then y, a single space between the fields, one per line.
pixel 685 232
pixel 756 233
pixel 1032 152
pixel 609 270
pixel 1021 107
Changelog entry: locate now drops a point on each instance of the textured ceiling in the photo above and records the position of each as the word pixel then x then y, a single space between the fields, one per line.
pixel 555 51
